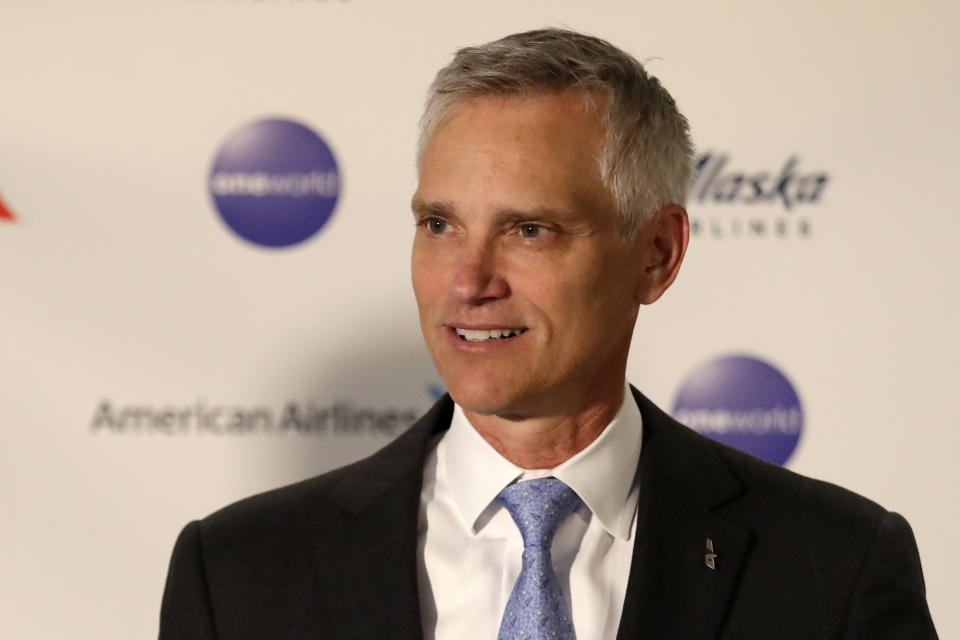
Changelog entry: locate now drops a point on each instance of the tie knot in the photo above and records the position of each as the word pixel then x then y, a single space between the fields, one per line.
pixel 538 507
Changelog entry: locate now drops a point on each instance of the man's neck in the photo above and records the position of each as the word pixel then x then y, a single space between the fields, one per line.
pixel 543 442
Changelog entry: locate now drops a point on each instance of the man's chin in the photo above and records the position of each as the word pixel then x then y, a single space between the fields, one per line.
pixel 496 400
pixel 481 406
pixel 480 400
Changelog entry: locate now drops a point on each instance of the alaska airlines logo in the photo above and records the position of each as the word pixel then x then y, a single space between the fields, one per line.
pixel 5 214
pixel 791 189
pixel 716 182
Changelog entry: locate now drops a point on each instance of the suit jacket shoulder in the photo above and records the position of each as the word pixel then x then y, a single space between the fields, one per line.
pixel 335 556
pixel 795 557
pixel 332 556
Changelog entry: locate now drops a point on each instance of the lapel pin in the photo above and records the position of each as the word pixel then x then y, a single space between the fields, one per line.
pixel 710 557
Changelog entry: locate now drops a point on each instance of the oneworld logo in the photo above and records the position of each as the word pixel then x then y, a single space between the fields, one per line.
pixel 787 191
pixel 275 182
pixel 744 402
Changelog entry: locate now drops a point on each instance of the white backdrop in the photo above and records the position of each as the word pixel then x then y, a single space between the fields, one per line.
pixel 119 282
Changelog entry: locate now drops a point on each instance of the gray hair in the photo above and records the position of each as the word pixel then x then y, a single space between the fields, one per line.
pixel 647 154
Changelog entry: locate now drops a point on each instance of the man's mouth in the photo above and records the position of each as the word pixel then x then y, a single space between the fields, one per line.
pixel 482 335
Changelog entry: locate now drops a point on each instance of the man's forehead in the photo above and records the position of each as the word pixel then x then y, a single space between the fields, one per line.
pixel 580 98
pixel 532 113
pixel 524 155
pixel 549 137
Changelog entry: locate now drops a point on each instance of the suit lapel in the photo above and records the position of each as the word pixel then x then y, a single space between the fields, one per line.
pixel 671 592
pixel 378 563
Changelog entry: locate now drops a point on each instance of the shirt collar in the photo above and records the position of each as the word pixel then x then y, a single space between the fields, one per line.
pixel 476 472
pixel 602 474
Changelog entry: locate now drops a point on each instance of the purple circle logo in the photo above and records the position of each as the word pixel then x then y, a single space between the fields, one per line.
pixel 743 402
pixel 275 182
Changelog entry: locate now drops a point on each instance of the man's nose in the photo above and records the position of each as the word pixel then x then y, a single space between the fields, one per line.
pixel 477 278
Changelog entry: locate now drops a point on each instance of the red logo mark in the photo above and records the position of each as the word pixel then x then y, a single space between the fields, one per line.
pixel 5 213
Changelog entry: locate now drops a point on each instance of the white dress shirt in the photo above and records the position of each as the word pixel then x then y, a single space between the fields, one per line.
pixel 470 549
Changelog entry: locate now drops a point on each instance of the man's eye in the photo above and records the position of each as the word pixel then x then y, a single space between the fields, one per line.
pixel 437 225
pixel 530 230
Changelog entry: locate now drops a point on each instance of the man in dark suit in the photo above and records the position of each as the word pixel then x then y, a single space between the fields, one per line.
pixel 544 497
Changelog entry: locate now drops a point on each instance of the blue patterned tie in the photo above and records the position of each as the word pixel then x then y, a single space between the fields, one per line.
pixel 536 608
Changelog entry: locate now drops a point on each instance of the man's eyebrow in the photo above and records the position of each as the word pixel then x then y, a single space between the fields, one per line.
pixel 503 215
pixel 521 215
pixel 423 208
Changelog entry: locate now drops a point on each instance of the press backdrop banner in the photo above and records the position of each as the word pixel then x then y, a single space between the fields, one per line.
pixel 204 261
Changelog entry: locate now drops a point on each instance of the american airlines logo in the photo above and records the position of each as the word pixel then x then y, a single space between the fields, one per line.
pixel 337 419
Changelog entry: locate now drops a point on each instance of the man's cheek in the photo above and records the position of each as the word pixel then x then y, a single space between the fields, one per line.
pixel 427 283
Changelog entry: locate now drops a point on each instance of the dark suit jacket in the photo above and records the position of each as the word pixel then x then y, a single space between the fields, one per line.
pixel 336 556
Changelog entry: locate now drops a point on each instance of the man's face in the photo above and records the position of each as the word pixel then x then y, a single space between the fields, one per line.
pixel 517 237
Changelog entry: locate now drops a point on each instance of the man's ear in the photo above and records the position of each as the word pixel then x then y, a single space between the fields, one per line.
pixel 663 241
